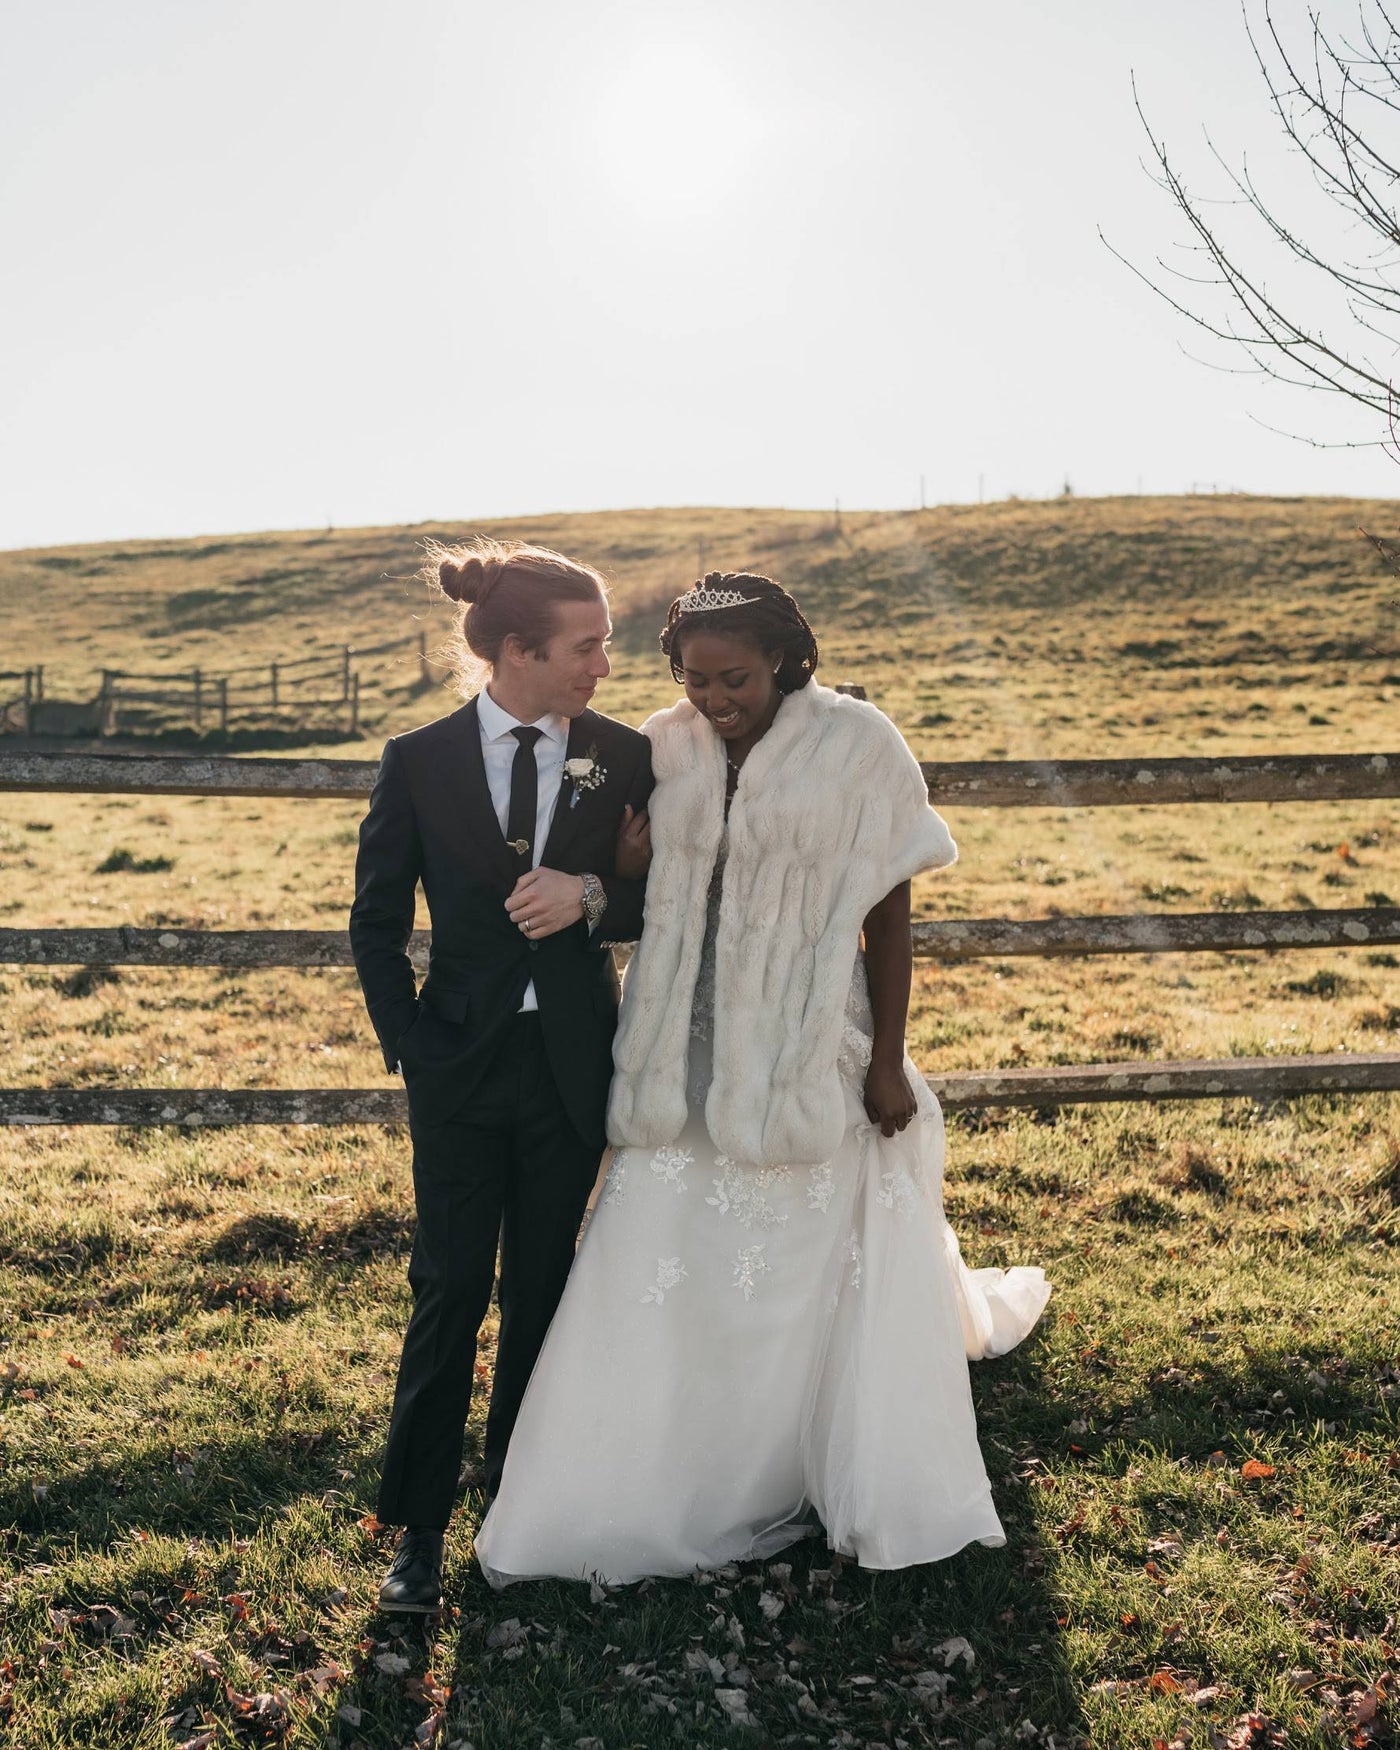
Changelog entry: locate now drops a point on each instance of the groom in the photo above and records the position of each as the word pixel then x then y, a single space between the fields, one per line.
pixel 509 812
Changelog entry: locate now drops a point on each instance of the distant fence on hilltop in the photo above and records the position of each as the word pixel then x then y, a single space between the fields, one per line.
pixel 972 783
pixel 131 701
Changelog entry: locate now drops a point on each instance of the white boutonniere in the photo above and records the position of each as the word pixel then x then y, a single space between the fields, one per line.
pixel 585 774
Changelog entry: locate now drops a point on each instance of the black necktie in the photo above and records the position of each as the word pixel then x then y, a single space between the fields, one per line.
pixel 524 798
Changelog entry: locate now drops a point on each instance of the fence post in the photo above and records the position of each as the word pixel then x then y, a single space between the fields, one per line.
pixel 106 714
pixel 28 688
pixel 355 703
pixel 198 699
pixel 39 681
pixel 422 657
pixel 345 675
pixel 274 686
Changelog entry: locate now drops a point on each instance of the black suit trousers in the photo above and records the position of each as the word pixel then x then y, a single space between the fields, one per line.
pixel 507 1169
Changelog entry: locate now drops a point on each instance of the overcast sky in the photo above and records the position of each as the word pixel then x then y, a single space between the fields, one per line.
pixel 279 263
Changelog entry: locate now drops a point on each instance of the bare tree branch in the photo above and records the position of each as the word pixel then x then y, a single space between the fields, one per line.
pixel 1338 108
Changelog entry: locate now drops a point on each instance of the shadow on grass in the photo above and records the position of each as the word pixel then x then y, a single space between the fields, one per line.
pixel 1189 1412
pixel 813 1649
pixel 809 1647
pixel 220 1487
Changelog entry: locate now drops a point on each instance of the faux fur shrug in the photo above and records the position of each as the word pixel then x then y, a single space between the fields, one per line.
pixel 830 813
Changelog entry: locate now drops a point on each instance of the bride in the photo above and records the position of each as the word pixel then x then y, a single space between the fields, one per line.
pixel 768 1317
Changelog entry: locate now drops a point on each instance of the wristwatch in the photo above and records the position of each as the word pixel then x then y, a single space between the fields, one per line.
pixel 595 901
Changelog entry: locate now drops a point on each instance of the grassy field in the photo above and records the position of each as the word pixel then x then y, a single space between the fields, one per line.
pixel 1196 1457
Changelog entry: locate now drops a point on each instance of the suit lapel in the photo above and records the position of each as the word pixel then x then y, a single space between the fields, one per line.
pixel 471 795
pixel 583 734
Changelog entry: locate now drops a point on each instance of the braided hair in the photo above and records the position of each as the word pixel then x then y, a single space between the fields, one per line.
pixel 768 617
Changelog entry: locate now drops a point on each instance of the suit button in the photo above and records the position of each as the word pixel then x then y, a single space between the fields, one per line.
pixel 533 947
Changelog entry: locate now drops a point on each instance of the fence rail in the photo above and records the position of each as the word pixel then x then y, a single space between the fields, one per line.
pixel 1255 1078
pixel 962 783
pixel 946 940
pixel 980 784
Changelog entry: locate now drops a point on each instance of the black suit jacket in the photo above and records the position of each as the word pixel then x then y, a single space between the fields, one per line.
pixel 431 819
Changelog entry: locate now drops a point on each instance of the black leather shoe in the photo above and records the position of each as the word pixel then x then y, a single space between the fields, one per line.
pixel 414 1582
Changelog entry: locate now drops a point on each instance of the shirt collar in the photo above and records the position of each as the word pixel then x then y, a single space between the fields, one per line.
pixel 497 723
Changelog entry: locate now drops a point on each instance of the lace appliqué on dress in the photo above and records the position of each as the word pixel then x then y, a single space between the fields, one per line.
pixel 741 1192
pixel 702 1007
pixel 898 1191
pixel 821 1187
pixel 615 1185
pixel 857 1030
pixel 748 1267
pixel 669 1163
pixel 670 1273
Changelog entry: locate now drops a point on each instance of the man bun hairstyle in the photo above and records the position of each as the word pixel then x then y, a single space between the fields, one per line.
pixel 470 578
pixel 744 605
pixel 507 589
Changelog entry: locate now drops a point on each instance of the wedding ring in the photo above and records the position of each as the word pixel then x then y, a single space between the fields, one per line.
pixel 527 923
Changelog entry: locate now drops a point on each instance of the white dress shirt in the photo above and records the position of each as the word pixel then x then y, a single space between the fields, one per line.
pixel 498 750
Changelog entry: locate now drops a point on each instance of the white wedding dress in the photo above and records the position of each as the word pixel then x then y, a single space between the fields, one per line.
pixel 739 1347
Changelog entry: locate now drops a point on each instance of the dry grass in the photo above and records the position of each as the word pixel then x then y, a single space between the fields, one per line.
pixel 197 1333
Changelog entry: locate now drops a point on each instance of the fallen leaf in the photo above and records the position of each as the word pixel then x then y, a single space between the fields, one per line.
pixel 1365 1707
pixel 1254 1469
pixel 956 1648
pixel 736 1705
pixel 1163 1683
pixel 392 1664
pixel 73 1361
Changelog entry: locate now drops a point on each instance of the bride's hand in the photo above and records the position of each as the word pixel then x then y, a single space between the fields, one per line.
pixel 889 1100
pixel 633 853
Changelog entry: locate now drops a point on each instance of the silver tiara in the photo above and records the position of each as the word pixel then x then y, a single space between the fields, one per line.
pixel 704 601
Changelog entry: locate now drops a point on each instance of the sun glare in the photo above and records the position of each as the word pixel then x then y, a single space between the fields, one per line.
pixel 676 130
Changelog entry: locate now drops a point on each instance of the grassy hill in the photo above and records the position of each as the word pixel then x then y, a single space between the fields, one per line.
pixel 1017 628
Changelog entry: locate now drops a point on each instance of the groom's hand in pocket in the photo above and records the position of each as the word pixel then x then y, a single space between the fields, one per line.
pixel 544 902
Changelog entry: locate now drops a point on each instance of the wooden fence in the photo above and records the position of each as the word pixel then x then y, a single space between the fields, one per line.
pixel 976 783
pixel 126 699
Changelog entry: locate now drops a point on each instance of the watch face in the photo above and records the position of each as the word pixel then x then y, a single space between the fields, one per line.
pixel 594 899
